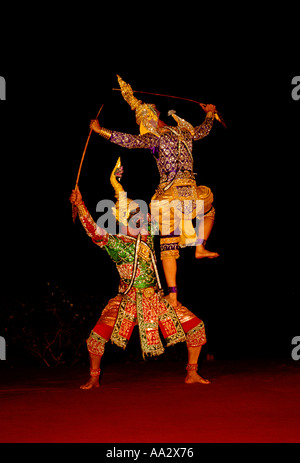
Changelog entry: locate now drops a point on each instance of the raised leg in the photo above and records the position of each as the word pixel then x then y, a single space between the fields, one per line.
pixel 201 252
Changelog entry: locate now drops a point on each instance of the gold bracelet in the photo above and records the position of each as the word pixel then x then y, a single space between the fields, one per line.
pixel 105 133
pixel 82 209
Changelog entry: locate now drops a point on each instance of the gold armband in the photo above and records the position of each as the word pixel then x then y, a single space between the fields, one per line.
pixel 105 133
pixel 82 209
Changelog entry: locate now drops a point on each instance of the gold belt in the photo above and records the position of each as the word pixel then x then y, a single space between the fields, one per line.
pixel 148 292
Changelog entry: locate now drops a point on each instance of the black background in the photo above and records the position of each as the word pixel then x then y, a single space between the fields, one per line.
pixel 58 76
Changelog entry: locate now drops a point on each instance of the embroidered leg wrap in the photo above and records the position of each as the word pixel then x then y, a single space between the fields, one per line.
pixel 96 344
pixel 169 247
pixel 196 337
pixel 101 332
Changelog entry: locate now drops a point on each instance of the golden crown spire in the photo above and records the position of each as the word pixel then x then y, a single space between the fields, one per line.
pixel 145 114
pixel 124 206
pixel 116 185
pixel 127 94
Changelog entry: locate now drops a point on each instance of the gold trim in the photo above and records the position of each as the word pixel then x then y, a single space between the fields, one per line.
pixel 105 133
pixel 149 292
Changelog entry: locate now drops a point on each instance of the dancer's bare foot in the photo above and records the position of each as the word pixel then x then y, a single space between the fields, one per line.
pixel 92 383
pixel 192 378
pixel 201 253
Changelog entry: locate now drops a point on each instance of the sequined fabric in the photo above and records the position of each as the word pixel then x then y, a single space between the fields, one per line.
pixel 149 311
pixel 175 223
pixel 141 305
pixel 196 337
pixel 172 149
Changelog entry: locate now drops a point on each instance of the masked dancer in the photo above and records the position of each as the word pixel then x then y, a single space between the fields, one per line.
pixel 172 149
pixel 139 300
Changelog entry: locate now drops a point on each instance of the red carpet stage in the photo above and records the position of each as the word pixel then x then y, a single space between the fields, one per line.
pixel 248 401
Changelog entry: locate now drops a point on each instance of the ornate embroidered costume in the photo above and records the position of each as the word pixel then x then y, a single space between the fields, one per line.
pixel 172 149
pixel 139 301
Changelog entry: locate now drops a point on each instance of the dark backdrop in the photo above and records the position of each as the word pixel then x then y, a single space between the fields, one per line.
pixel 248 297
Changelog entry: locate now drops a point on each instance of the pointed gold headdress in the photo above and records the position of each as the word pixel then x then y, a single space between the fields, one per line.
pixel 145 114
pixel 124 206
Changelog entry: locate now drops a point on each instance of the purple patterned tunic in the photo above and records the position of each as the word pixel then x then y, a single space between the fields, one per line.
pixel 172 150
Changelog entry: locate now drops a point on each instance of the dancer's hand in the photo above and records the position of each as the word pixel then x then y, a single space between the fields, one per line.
pixel 76 197
pixel 210 108
pixel 94 125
